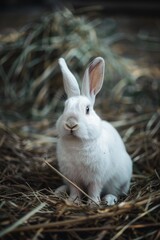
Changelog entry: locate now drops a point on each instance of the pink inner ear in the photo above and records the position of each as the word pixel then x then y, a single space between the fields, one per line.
pixel 95 73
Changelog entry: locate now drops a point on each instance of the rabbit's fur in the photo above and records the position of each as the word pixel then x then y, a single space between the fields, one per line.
pixel 90 151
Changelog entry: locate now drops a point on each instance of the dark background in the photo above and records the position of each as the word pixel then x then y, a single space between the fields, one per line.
pixel 110 6
pixel 16 13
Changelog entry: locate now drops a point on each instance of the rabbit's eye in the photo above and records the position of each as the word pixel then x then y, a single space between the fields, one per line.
pixel 87 110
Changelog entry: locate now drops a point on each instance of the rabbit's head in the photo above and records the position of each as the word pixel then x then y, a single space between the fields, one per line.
pixel 79 118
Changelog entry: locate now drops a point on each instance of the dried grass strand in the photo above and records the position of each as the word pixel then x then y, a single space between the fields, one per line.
pixel 22 220
pixel 134 220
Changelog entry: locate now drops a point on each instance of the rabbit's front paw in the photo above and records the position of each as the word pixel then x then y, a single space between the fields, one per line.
pixel 93 201
pixel 75 195
pixel 74 200
pixel 110 199
pixel 61 190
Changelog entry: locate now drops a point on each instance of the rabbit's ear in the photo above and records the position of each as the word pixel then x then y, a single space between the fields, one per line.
pixel 70 83
pixel 93 78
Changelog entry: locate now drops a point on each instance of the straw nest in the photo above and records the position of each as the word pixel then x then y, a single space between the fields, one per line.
pixel 31 90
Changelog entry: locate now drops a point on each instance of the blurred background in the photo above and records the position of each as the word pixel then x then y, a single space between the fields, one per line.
pixel 21 9
pixel 34 34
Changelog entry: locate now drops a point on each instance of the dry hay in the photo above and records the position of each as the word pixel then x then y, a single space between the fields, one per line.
pixel 29 208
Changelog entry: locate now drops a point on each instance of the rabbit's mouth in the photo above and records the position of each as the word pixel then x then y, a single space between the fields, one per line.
pixel 72 134
pixel 71 129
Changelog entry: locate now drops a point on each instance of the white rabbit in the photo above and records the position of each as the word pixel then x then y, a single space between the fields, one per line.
pixel 90 151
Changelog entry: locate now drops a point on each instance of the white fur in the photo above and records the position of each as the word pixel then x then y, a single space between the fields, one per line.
pixel 90 151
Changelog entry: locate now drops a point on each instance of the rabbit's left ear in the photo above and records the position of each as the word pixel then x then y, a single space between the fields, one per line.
pixel 93 78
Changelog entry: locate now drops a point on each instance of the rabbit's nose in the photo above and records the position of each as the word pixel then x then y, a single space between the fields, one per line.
pixel 71 124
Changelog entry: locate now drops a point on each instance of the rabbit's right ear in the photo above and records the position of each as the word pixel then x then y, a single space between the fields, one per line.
pixel 70 83
pixel 93 78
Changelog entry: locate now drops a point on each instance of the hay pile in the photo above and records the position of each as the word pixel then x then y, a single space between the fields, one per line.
pixel 31 90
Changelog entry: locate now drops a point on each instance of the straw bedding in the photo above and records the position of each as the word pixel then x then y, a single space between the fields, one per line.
pixel 31 100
